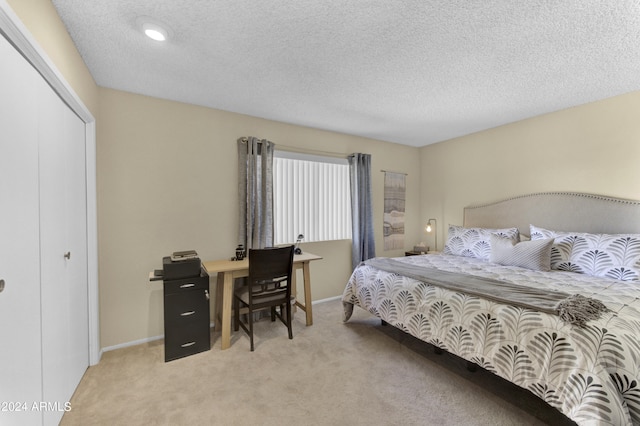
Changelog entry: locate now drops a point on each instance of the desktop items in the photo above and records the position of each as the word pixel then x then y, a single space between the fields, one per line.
pixel 298 250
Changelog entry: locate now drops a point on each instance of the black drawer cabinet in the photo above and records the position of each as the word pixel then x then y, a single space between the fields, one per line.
pixel 186 317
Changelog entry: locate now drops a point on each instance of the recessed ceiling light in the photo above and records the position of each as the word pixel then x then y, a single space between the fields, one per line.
pixel 154 32
pixel 153 28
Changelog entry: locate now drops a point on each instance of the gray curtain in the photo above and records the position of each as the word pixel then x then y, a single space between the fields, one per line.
pixel 363 242
pixel 255 190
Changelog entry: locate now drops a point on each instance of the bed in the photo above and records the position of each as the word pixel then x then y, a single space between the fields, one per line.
pixel 561 250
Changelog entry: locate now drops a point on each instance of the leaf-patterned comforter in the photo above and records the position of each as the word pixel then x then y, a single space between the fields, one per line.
pixel 591 374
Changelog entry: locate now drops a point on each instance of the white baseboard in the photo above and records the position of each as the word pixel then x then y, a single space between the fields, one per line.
pixel 328 299
pixel 151 339
pixel 132 343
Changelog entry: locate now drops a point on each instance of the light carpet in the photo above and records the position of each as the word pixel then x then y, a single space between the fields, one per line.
pixel 354 373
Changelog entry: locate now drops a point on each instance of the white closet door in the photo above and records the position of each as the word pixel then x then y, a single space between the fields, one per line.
pixel 20 348
pixel 63 251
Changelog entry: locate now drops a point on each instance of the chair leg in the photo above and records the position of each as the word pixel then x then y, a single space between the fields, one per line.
pixel 250 316
pixel 289 320
pixel 236 314
pixel 273 313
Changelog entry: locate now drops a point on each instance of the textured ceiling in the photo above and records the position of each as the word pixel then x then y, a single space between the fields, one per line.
pixel 413 72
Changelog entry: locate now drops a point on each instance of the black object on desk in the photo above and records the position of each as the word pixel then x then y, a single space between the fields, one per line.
pixel 175 269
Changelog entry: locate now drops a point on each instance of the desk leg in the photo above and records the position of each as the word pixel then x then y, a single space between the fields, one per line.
pixel 227 293
pixel 307 293
pixel 217 307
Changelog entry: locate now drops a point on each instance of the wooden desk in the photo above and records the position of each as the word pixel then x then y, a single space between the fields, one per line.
pixel 228 270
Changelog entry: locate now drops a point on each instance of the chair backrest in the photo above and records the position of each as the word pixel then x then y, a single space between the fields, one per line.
pixel 270 273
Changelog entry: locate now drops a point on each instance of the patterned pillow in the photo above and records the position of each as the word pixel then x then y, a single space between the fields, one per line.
pixel 475 242
pixel 534 255
pixel 601 255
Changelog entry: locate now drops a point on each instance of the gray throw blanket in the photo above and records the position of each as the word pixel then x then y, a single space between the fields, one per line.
pixel 574 309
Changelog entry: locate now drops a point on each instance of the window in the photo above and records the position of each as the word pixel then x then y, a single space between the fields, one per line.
pixel 311 196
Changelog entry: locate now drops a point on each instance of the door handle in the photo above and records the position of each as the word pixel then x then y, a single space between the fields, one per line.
pixel 1 285
pixel 67 255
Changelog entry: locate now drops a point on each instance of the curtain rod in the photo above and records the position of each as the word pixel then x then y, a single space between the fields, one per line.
pixel 399 173
pixel 310 151
pixel 304 150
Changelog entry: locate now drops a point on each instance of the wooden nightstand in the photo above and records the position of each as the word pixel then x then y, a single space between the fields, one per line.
pixel 418 253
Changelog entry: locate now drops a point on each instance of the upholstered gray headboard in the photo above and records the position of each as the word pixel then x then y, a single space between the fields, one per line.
pixel 560 211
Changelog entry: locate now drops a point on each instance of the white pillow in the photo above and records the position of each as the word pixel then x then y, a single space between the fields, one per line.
pixel 534 255
pixel 601 255
pixel 475 242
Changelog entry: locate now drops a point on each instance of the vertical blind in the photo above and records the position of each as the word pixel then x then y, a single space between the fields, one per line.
pixel 310 198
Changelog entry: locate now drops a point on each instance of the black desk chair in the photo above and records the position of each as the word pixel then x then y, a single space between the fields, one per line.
pixel 268 286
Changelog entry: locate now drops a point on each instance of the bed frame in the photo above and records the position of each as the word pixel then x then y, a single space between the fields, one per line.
pixel 590 213
pixel 559 211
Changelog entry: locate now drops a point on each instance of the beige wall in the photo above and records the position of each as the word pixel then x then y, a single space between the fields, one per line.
pixel 592 148
pixel 167 171
pixel 43 22
pixel 166 182
pixel 167 176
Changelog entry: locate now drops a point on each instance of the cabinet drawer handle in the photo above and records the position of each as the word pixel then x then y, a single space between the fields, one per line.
pixel 186 345
pixel 187 285
pixel 186 314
